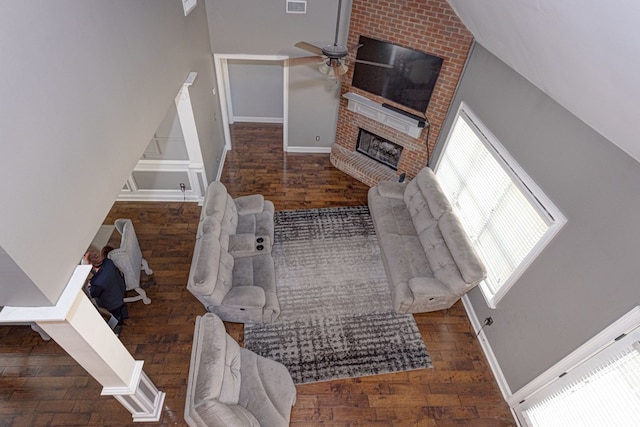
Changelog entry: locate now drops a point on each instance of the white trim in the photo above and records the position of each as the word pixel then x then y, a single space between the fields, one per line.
pixel 145 404
pixel 133 193
pixel 250 119
pixel 291 6
pixel 159 196
pixel 221 165
pixel 486 348
pixel 531 190
pixel 188 6
pixel 624 325
pixel 375 111
pixel 57 312
pixel 503 385
pixel 221 64
pixel 187 120
pixel 285 106
pixel 309 150
pixel 133 382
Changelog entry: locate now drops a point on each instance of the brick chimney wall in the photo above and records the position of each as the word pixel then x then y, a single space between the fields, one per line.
pixel 429 26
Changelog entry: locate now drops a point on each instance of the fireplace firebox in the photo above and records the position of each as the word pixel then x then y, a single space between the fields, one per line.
pixel 379 149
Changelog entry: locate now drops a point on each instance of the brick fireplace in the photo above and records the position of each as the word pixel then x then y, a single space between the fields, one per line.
pixel 429 26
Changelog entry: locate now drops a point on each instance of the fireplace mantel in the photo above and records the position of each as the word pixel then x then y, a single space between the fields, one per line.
pixel 375 111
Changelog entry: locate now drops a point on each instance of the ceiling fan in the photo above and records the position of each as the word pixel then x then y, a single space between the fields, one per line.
pixel 331 57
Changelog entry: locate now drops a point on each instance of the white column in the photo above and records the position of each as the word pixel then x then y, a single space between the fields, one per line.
pixel 197 174
pixel 75 324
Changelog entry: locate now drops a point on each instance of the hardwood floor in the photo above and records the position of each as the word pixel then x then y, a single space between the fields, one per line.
pixel 40 385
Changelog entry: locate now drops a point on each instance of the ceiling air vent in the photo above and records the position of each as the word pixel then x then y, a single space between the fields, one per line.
pixel 296 6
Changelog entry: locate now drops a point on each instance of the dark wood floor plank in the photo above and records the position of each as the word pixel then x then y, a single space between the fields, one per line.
pixel 42 386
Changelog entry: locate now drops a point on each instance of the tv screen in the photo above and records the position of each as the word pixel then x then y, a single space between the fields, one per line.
pixel 406 77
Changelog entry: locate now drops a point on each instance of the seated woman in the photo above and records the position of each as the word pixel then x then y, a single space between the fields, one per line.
pixel 107 285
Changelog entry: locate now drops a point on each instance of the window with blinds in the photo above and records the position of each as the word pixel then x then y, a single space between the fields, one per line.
pixel 507 217
pixel 602 389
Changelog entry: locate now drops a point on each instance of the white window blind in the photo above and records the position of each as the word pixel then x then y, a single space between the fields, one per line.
pixel 609 395
pixel 596 385
pixel 505 220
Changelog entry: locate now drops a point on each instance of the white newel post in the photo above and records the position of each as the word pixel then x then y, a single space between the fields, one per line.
pixel 75 324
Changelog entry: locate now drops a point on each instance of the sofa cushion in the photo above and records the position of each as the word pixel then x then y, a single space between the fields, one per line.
pixel 267 390
pixel 425 199
pixel 392 189
pixel 441 263
pixel 404 258
pixel 245 297
pixel 252 204
pixel 466 258
pixel 257 270
pixel 215 413
pixel 390 215
pixel 259 224
pixel 231 378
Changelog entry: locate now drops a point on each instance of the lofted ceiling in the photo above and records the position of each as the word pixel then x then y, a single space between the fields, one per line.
pixel 583 54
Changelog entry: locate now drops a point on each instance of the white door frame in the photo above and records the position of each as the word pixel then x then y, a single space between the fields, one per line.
pixel 221 64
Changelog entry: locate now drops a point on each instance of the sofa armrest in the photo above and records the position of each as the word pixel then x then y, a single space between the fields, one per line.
pixel 251 204
pixel 245 297
pixel 428 286
pixel 391 189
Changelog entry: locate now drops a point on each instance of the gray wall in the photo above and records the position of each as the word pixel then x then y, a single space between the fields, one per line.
pixel 587 277
pixel 250 27
pixel 256 89
pixel 84 86
pixel 169 139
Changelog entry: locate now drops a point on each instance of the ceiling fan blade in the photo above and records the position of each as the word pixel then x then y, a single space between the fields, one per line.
pixel 309 47
pixel 354 47
pixel 377 64
pixel 304 60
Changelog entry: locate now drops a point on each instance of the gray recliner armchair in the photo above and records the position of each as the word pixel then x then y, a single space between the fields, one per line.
pixel 238 289
pixel 229 386
pixel 128 258
pixel 232 271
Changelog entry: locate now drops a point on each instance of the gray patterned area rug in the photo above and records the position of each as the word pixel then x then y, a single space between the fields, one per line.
pixel 337 319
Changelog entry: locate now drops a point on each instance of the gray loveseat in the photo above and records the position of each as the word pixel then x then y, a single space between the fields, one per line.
pixel 232 272
pixel 428 257
pixel 232 387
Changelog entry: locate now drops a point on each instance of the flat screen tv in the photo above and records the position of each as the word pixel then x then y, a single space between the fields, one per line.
pixel 407 79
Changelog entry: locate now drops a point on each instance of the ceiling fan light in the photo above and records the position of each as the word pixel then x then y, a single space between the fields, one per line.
pixel 325 69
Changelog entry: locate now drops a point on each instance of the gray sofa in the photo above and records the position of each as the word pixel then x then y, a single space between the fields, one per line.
pixel 428 257
pixel 230 386
pixel 232 272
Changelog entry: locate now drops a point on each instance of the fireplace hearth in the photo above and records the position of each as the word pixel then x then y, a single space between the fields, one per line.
pixel 379 149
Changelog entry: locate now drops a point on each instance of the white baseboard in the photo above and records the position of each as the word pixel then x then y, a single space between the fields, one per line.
pixel 157 196
pixel 249 119
pixel 309 150
pixel 486 348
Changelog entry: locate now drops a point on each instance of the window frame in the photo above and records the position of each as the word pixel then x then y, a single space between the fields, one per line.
pixel 621 333
pixel 534 194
